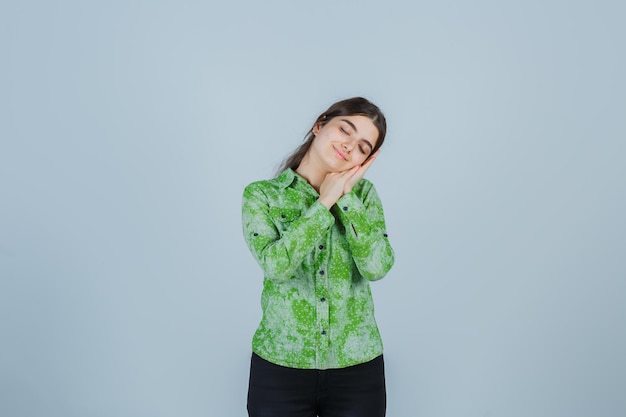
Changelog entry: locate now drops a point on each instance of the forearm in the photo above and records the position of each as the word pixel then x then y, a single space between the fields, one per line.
pixel 281 252
pixel 366 234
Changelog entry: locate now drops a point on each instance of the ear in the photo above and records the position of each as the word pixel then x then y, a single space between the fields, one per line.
pixel 316 129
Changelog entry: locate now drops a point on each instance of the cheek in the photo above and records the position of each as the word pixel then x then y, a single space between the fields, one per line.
pixel 360 159
pixel 320 140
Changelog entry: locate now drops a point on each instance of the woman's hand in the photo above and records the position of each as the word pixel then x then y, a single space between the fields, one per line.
pixel 333 185
pixel 351 182
pixel 337 184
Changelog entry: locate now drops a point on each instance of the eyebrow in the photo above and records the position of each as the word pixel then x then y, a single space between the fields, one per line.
pixel 356 130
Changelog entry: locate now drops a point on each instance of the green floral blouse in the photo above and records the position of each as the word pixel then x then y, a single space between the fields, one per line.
pixel 318 311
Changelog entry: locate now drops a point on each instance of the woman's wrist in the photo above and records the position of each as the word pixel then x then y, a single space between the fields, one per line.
pixel 326 201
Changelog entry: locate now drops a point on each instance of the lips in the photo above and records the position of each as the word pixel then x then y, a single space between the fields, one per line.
pixel 339 154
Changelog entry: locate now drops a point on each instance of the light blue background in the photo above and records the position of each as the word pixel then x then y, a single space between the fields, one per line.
pixel 129 129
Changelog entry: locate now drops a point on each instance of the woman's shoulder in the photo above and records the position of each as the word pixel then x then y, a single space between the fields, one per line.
pixel 273 184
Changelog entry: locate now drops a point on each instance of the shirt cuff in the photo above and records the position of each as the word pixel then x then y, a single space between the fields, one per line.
pixel 320 214
pixel 349 204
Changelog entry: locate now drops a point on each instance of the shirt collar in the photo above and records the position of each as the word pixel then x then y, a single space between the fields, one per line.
pixel 285 179
pixel 289 177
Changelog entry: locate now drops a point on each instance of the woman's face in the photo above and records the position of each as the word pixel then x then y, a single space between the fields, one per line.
pixel 343 142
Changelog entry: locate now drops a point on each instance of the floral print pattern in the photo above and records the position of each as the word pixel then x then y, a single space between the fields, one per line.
pixel 318 311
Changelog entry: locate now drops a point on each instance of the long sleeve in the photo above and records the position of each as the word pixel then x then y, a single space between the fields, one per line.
pixel 361 213
pixel 281 237
pixel 318 311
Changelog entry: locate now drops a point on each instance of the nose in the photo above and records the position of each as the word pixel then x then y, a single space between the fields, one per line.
pixel 347 145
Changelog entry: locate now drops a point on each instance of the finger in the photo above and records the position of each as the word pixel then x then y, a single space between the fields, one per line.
pixel 350 172
pixel 371 159
pixel 358 174
pixel 364 168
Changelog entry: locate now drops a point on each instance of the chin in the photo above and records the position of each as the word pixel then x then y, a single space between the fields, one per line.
pixel 335 165
pixel 338 166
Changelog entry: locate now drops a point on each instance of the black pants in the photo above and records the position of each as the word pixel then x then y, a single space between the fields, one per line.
pixel 355 391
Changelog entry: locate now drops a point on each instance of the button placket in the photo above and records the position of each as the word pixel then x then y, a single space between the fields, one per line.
pixel 322 305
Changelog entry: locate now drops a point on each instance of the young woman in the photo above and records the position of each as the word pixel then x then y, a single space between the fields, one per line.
pixel 318 232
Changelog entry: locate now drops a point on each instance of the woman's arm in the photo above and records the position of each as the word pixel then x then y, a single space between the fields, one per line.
pixel 361 213
pixel 280 254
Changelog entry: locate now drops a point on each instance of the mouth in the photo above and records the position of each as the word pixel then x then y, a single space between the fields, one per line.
pixel 339 154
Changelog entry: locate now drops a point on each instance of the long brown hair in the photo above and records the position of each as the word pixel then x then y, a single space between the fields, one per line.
pixel 356 106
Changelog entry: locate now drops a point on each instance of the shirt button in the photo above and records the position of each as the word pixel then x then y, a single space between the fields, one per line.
pixel 323 331
pixel 345 208
pixel 321 247
pixel 322 299
pixel 385 234
pixel 322 272
pixel 255 234
pixel 283 216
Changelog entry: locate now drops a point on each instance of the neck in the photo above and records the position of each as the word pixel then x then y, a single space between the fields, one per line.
pixel 311 172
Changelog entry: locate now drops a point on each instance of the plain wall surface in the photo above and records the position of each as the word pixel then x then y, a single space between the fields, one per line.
pixel 129 129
